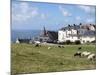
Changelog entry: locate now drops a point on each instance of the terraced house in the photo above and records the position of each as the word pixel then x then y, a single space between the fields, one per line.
pixel 82 32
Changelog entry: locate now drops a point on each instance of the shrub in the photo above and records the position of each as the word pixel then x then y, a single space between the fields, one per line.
pixel 93 41
pixel 68 42
pixel 77 42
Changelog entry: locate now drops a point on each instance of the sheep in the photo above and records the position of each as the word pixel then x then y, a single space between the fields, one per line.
pixel 60 46
pixel 91 57
pixel 79 48
pixel 77 54
pixel 49 47
pixel 37 45
pixel 85 54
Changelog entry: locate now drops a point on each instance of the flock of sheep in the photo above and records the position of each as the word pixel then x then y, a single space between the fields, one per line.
pixel 60 46
pixel 86 54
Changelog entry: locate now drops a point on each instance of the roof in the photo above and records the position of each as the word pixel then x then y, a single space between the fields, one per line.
pixel 53 35
pixel 76 27
pixel 71 27
pixel 88 33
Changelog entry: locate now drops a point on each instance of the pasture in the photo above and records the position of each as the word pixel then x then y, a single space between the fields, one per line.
pixel 26 58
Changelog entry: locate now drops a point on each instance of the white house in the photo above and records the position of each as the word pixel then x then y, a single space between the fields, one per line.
pixel 84 33
pixel 17 41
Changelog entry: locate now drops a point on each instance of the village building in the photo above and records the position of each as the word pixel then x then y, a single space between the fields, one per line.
pixel 48 36
pixel 83 33
pixel 45 36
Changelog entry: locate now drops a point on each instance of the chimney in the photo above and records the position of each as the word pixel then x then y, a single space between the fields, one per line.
pixel 68 25
pixel 74 24
pixel 80 24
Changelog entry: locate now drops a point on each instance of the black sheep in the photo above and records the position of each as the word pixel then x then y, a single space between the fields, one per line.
pixel 77 54
pixel 37 45
pixel 60 46
pixel 79 48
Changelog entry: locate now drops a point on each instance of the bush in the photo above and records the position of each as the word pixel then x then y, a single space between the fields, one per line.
pixel 68 42
pixel 61 43
pixel 77 42
pixel 93 41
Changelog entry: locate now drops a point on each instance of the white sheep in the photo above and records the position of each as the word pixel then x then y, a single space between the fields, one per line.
pixel 85 54
pixel 49 47
pixel 91 57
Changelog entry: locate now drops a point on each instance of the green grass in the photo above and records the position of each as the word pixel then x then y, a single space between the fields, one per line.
pixel 28 59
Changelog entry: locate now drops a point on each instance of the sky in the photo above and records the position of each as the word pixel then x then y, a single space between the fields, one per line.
pixel 36 15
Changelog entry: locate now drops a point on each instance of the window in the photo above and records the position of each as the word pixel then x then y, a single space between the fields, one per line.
pixel 59 33
pixel 83 41
pixel 88 41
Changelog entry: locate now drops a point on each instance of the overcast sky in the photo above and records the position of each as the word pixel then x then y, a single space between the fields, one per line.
pixel 34 15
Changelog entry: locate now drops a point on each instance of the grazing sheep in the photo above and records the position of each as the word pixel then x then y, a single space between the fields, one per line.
pixel 49 47
pixel 91 57
pixel 85 54
pixel 37 45
pixel 60 46
pixel 77 54
pixel 79 48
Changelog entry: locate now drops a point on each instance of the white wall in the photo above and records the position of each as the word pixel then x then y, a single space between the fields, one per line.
pixel 65 35
pixel 74 38
pixel 68 32
pixel 86 39
pixel 74 32
pixel 62 36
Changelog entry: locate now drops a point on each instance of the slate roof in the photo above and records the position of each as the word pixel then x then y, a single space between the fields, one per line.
pixel 70 27
pixel 88 33
pixel 52 35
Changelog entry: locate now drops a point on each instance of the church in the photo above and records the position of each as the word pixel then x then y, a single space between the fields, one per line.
pixel 48 36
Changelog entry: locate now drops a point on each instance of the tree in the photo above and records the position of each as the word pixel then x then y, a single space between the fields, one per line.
pixel 77 42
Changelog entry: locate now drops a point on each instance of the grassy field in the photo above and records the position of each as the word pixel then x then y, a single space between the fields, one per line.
pixel 28 59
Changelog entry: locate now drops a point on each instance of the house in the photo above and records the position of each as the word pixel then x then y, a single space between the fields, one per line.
pixel 83 33
pixel 68 33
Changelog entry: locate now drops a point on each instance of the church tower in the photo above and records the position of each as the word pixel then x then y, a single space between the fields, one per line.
pixel 44 31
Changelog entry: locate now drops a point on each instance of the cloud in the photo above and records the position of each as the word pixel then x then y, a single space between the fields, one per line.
pixel 90 20
pixel 78 18
pixel 43 16
pixel 64 11
pixel 22 11
pixel 19 17
pixel 88 9
pixel 66 20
